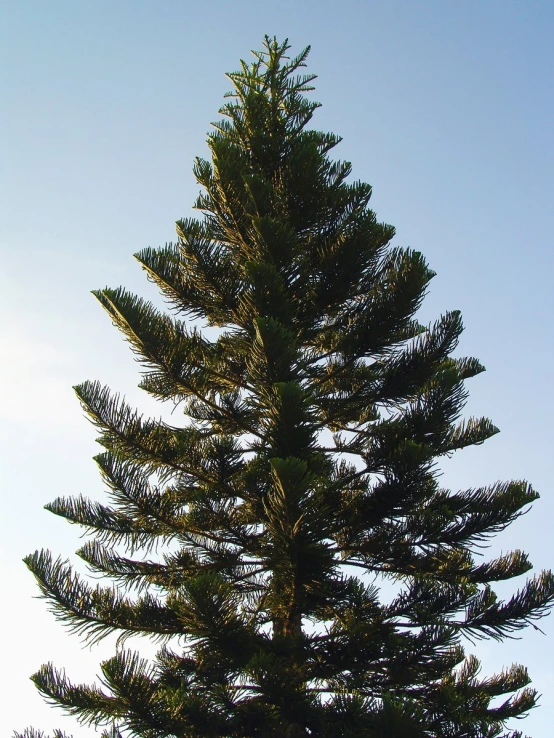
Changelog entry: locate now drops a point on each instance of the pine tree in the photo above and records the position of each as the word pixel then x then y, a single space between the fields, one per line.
pixel 251 538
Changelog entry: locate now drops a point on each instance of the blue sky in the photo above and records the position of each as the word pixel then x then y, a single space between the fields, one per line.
pixel 445 107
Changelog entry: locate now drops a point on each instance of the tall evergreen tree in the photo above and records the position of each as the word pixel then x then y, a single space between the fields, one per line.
pixel 250 538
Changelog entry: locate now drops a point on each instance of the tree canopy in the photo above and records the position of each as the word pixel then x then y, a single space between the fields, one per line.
pixel 251 538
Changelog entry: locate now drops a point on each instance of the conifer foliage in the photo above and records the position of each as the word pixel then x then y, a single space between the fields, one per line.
pixel 250 538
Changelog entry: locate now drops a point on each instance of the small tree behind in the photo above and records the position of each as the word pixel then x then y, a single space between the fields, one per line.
pixel 249 539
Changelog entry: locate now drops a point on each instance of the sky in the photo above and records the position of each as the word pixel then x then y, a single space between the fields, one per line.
pixel 445 108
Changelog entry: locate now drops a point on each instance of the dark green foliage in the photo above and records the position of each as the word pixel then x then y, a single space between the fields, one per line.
pixel 249 539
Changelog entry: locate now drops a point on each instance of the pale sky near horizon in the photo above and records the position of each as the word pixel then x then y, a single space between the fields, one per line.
pixel 446 108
